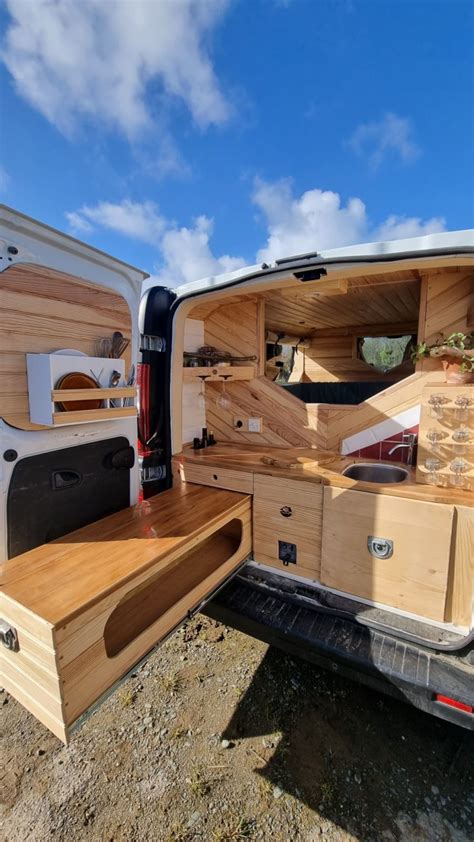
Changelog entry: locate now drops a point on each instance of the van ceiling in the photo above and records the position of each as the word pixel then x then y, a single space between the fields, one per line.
pixel 301 310
pixel 362 304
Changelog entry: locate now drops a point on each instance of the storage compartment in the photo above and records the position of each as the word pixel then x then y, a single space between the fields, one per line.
pixel 218 477
pixel 52 493
pixel 84 610
pixel 287 518
pixel 47 400
pixel 388 549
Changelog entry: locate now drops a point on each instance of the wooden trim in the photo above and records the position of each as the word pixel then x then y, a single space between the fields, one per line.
pixel 460 598
pixel 219 373
pixel 84 415
pixel 93 394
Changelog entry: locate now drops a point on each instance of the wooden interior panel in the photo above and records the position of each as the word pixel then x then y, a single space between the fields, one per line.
pixel 365 302
pixel 460 601
pixel 415 578
pixel 43 311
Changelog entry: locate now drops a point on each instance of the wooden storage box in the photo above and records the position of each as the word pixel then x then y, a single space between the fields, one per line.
pixel 44 371
pixel 218 477
pixel 87 607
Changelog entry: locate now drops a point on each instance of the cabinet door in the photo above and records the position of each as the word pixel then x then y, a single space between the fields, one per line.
pixel 413 575
pixel 287 517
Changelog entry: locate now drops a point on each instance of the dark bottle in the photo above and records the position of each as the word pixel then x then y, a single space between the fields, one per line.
pixel 205 438
pixel 211 440
pixel 196 443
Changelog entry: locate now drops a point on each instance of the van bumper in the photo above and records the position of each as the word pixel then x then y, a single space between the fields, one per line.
pixel 405 671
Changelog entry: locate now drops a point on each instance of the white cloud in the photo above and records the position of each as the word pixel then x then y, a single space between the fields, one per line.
pixel 391 134
pixel 138 220
pixel 318 219
pixel 115 62
pixel 401 227
pixel 186 252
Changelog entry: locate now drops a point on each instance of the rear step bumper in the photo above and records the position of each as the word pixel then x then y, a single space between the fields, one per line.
pixel 405 671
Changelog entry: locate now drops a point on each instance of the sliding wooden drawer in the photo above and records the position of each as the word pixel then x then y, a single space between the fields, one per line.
pixel 86 608
pixel 217 477
pixel 387 549
pixel 287 519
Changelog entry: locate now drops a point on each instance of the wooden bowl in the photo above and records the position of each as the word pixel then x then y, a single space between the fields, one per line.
pixel 77 380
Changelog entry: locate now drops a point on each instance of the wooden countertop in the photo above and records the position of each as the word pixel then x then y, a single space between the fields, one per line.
pixel 318 466
pixel 61 579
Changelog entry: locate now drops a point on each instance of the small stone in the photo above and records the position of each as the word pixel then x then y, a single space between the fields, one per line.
pixel 435 790
pixel 357 778
pixel 193 819
pixel 40 752
pixel 225 744
pixel 148 721
pixel 277 792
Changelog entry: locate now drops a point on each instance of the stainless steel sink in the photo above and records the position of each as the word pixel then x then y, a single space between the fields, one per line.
pixel 375 472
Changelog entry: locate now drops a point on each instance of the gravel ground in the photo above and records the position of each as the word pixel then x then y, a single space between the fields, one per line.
pixel 219 737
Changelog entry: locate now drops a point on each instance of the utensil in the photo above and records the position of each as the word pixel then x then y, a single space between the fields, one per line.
pixel 114 381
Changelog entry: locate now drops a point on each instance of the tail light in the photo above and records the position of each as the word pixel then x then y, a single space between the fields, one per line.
pixel 446 700
pixel 143 383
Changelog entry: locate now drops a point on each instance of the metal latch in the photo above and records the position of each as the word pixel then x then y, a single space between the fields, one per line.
pixel 380 547
pixel 8 636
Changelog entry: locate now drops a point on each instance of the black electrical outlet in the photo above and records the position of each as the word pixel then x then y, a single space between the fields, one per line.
pixel 287 552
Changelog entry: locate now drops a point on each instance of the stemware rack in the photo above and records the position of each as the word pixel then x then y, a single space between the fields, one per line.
pixel 44 371
pixel 217 373
pixel 446 409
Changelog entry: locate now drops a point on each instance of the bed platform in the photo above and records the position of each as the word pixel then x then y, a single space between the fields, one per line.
pixel 87 607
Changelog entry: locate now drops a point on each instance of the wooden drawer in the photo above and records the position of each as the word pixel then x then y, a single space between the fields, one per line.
pixel 218 477
pixel 82 625
pixel 288 492
pixel 415 577
pixel 290 512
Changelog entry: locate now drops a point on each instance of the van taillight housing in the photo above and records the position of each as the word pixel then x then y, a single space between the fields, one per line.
pixel 143 383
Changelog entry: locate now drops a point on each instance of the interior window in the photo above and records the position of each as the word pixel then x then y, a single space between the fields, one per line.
pixel 384 353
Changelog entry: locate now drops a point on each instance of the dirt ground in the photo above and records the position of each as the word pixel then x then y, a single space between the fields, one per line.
pixel 218 737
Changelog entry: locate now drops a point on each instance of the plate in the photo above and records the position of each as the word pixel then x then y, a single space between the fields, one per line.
pixel 69 352
pixel 77 380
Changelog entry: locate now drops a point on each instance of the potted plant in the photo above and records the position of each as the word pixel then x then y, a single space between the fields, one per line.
pixel 456 353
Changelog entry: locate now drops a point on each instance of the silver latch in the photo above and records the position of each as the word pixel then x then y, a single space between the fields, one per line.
pixel 380 547
pixel 8 636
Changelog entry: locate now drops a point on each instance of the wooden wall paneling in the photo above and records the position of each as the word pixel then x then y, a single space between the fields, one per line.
pixel 234 327
pixel 460 600
pixel 287 421
pixel 43 311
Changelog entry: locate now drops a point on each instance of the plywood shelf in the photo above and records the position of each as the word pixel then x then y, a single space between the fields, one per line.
pixel 82 416
pixel 93 394
pixel 219 373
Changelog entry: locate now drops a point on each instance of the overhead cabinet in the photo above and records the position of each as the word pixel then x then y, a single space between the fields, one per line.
pixel 81 611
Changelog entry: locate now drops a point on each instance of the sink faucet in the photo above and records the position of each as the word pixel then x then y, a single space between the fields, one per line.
pixel 409 441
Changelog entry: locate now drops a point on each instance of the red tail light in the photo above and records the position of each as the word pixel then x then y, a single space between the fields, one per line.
pixel 446 700
pixel 143 382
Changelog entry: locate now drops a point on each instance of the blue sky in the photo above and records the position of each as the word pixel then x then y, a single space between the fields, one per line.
pixel 189 137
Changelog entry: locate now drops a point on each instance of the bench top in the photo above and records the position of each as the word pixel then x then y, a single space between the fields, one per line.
pixel 58 580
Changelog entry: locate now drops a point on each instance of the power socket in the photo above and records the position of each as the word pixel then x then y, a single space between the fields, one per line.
pixel 255 425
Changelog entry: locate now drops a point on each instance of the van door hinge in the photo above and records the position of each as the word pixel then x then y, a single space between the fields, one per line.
pixel 152 343
pixel 8 636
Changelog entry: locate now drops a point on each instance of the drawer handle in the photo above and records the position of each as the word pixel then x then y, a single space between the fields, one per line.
pixel 286 511
pixel 380 547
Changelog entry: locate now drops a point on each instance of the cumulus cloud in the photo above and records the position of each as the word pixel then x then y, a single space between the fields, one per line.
pixel 186 253
pixel 318 219
pixel 114 62
pixel 391 134
pixel 138 220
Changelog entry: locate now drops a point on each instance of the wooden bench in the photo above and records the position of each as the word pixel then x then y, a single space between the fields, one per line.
pixel 87 607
